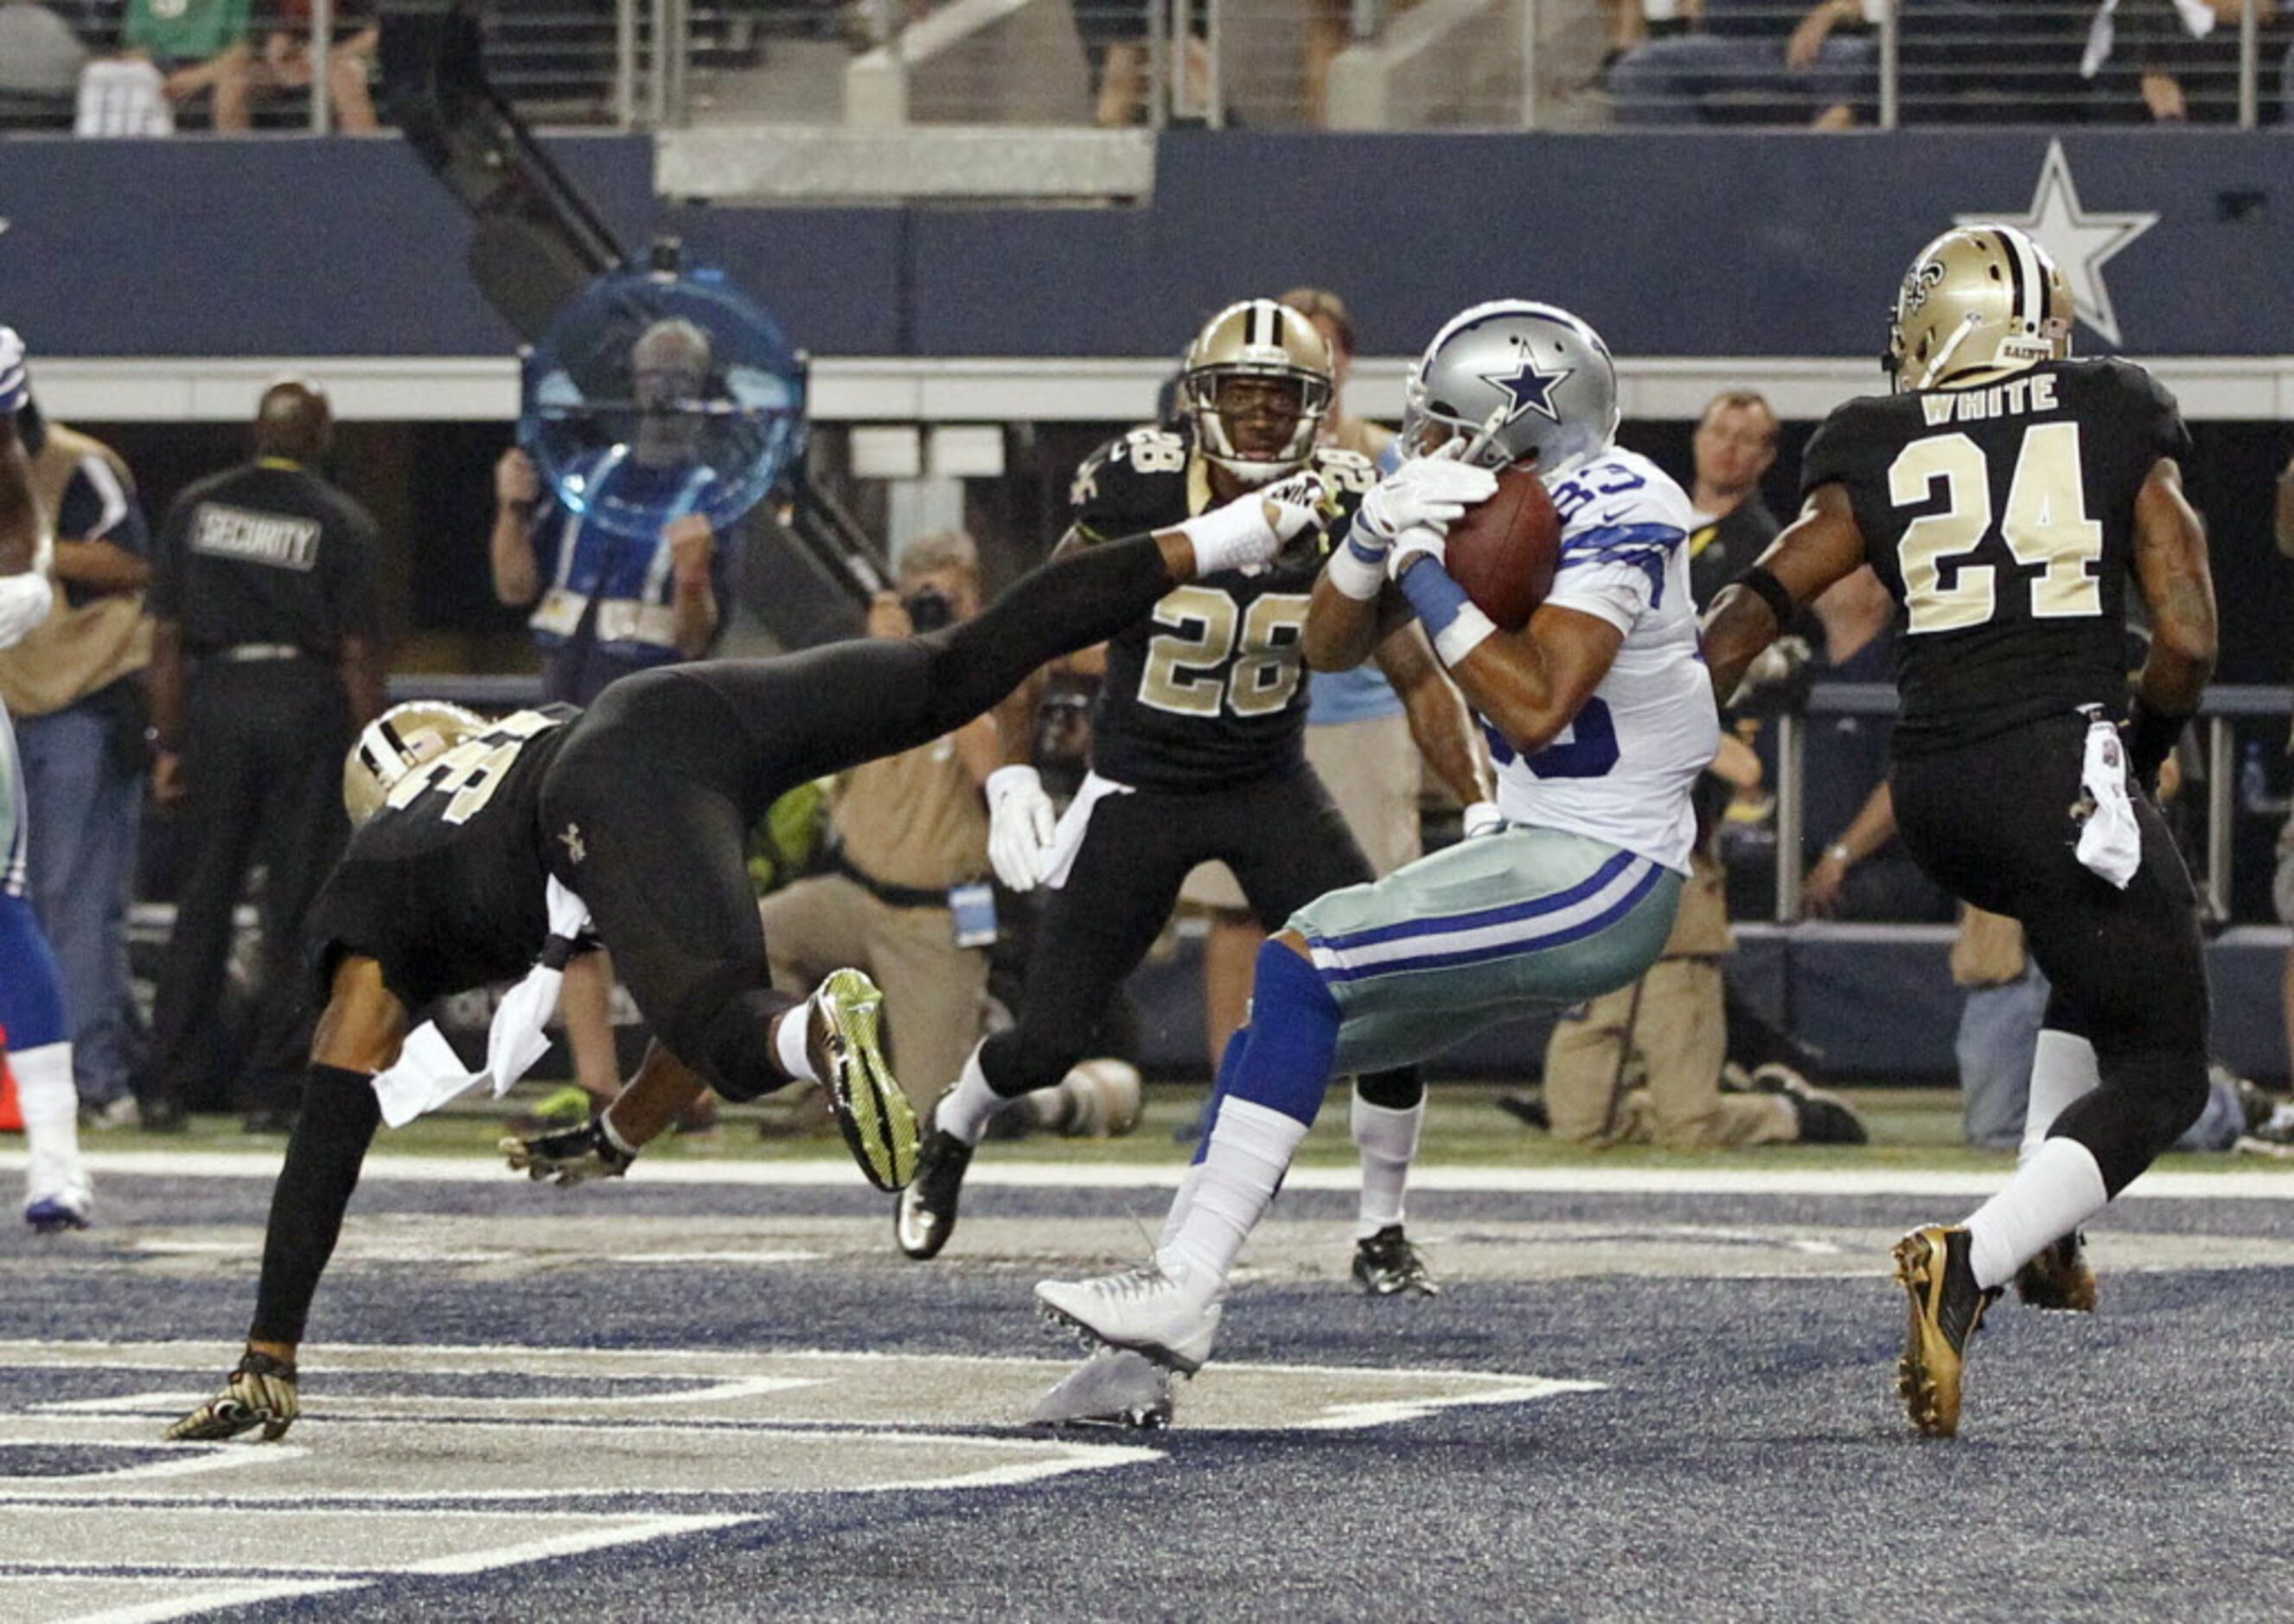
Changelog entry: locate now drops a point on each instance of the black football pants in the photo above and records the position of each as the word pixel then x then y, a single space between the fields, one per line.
pixel 646 811
pixel 1992 822
pixel 263 756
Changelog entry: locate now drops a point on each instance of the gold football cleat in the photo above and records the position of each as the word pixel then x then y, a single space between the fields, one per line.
pixel 1946 1307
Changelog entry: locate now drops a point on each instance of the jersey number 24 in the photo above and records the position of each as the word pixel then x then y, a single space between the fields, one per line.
pixel 2046 528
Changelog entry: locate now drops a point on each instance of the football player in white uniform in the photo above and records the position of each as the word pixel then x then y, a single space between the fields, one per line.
pixel 37 1045
pixel 1600 719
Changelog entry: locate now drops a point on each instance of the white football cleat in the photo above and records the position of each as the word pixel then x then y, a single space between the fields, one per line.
pixel 66 1208
pixel 1170 1315
pixel 1114 1387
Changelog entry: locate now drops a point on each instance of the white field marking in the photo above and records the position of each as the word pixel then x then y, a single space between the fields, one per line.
pixel 178 1605
pixel 362 1251
pixel 597 1530
pixel 751 1258
pixel 187 1464
pixel 1354 1417
pixel 1045 1457
pixel 1422 1390
pixel 571 1545
pixel 722 1392
pixel 2270 1184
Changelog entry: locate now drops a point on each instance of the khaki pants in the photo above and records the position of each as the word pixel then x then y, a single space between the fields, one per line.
pixel 1670 1093
pixel 933 990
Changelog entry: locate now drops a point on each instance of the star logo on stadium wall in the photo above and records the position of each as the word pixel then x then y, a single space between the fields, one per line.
pixel 2081 240
pixel 1528 389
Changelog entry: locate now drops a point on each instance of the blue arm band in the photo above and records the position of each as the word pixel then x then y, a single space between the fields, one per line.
pixel 1450 617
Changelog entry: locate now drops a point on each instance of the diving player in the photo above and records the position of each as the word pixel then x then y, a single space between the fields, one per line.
pixel 1599 720
pixel 2007 493
pixel 493 842
pixel 35 1039
pixel 1197 755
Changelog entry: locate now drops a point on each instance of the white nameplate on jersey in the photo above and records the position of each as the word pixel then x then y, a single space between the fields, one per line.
pixel 973 910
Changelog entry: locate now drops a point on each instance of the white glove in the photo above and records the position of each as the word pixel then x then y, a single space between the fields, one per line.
pixel 1021 824
pixel 24 600
pixel 1482 818
pixel 14 386
pixel 1420 541
pixel 1247 533
pixel 1427 492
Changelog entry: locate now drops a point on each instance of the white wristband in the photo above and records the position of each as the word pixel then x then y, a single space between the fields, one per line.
pixel 1357 577
pixel 1227 537
pixel 1463 635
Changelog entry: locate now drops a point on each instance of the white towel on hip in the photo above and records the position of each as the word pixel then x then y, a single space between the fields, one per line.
pixel 430 1072
pixel 2111 841
pixel 1067 840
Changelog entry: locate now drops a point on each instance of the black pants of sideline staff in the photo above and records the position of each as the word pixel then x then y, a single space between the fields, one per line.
pixel 263 762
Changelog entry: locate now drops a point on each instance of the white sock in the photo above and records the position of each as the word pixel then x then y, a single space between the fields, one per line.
pixel 1182 1202
pixel 1387 1140
pixel 1251 1148
pixel 788 1042
pixel 964 1110
pixel 50 1103
pixel 2058 1189
pixel 2063 1070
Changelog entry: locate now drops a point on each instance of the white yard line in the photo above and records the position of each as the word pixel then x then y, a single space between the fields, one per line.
pixel 837 1173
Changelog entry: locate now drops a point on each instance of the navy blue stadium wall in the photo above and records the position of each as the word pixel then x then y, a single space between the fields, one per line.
pixel 1675 245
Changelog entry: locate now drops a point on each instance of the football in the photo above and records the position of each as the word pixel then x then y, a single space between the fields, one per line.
pixel 1503 551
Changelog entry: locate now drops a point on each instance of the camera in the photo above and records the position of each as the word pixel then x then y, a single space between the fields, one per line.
pixel 929 608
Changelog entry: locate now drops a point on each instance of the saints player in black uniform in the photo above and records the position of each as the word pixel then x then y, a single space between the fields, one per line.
pixel 640 809
pixel 1197 755
pixel 2006 496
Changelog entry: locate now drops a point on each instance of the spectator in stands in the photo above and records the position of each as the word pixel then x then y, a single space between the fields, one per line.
pixel 285 62
pixel 1815 69
pixel 606 605
pixel 40 63
pixel 265 662
pixel 74 687
pixel 2169 61
pixel 198 46
pixel 907 897
pixel 1115 45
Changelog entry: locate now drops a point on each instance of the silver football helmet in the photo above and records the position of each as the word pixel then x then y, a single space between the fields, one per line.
pixel 1515 378
pixel 396 743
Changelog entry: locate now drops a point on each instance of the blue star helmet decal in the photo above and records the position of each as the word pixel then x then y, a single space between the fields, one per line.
pixel 1529 387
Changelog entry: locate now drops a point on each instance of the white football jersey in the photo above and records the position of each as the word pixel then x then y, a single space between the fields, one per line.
pixel 1622 770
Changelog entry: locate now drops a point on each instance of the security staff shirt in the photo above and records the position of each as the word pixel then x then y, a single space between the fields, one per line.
pixel 267 553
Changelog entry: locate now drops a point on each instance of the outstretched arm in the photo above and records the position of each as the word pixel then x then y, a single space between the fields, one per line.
pixel 1820 547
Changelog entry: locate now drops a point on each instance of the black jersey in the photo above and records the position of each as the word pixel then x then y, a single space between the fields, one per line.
pixel 445 885
pixel 267 553
pixel 1210 687
pixel 2001 517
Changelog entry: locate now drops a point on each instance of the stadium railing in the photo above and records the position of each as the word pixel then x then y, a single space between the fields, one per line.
pixel 2225 706
pixel 1349 64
